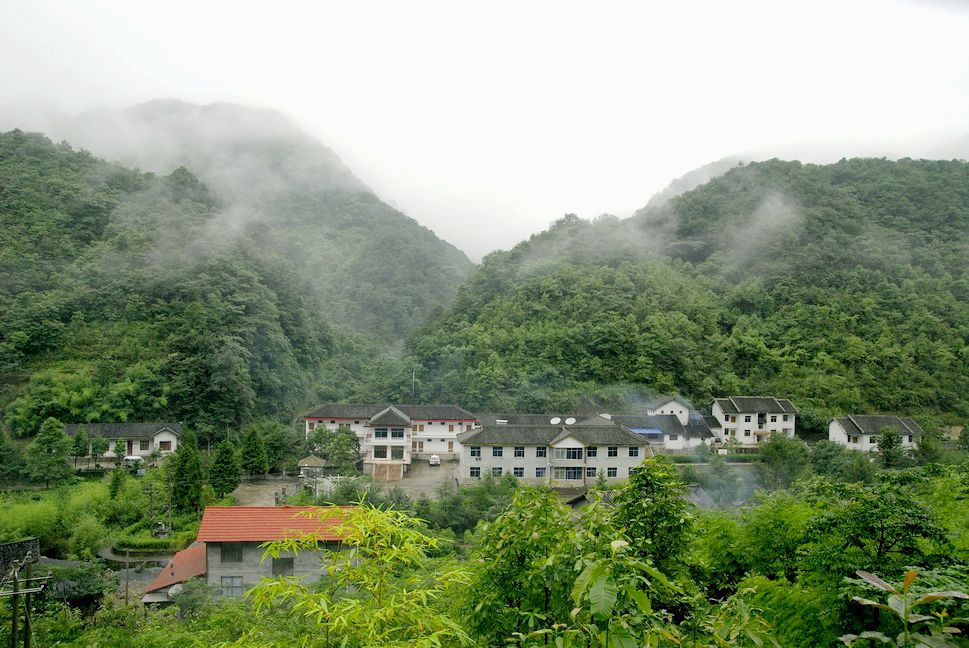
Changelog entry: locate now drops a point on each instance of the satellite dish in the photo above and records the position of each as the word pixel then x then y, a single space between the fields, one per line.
pixel 555 421
pixel 569 421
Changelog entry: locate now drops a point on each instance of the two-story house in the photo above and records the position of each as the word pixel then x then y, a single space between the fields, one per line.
pixel 559 452
pixel 391 436
pixel 749 420
pixel 139 439
pixel 863 432
pixel 233 535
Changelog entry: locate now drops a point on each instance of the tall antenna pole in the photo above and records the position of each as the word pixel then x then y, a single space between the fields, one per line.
pixel 413 383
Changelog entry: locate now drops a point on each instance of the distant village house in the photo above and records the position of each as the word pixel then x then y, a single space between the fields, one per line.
pixel 863 432
pixel 139 439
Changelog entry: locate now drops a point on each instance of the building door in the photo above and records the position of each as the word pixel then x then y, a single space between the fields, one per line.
pixel 131 447
pixel 450 446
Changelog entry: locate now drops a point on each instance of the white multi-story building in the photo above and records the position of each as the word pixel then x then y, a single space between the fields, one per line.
pixel 669 405
pixel 863 432
pixel 752 419
pixel 391 436
pixel 561 452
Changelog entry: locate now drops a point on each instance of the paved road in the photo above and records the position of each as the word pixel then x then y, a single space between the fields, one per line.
pixel 423 478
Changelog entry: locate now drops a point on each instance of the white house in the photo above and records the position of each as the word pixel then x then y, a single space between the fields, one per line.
pixel 669 405
pixel 667 432
pixel 139 439
pixel 752 419
pixel 391 436
pixel 561 452
pixel 862 432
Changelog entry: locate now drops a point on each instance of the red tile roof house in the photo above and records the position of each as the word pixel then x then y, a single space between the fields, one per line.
pixel 233 535
pixel 184 566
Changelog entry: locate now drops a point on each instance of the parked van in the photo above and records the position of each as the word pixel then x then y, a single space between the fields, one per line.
pixel 131 462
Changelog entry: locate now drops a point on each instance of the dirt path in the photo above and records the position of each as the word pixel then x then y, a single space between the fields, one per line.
pixel 262 492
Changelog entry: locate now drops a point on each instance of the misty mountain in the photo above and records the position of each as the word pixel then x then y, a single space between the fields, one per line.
pixel 123 298
pixel 375 269
pixel 841 286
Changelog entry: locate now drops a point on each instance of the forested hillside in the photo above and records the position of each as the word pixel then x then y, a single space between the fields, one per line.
pixel 376 270
pixel 122 298
pixel 842 287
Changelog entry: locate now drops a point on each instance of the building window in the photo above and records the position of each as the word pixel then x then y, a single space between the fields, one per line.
pixel 443 423
pixel 165 446
pixel 333 422
pixel 612 472
pixel 747 418
pixel 143 444
pixel 732 432
pixel 773 418
pixel 590 471
pixel 674 437
pixel 733 419
pixel 476 472
pixel 613 451
pixel 518 471
pixel 232 586
pixel 230 552
pixel 356 422
pixel 592 452
pixel 467 428
pixel 397 433
pixel 540 472
pixel 911 438
pixel 450 428
pixel 413 428
pixel 282 566
pixel 475 451
pixel 420 427
pixel 380 433
pixel 633 452
pixel 785 418
pixel 631 471
pixel 497 451
pixel 567 453
pixel 519 451
pixel 396 452
pixel 496 471
pixel 380 452
pixel 541 451
pixel 788 431
pixel 569 472
pixel 746 433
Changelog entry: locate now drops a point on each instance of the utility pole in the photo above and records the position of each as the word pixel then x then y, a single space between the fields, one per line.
pixel 28 624
pixel 413 383
pixel 14 612
pixel 127 574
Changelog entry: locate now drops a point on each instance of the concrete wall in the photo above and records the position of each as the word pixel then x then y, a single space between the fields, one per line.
pixel 306 565
pixel 675 407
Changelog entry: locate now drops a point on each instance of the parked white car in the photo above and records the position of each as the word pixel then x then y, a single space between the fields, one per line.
pixel 434 460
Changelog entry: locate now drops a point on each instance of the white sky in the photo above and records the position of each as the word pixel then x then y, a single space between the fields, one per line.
pixel 487 121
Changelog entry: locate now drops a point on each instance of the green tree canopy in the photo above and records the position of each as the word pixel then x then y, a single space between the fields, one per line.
pixel 48 456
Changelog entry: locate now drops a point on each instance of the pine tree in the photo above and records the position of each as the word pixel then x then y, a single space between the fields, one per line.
pixel 79 445
pixel 48 456
pixel 254 459
pixel 11 462
pixel 225 474
pixel 187 478
pixel 99 445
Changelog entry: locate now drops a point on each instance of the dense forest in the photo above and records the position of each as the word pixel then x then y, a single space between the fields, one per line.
pixel 842 287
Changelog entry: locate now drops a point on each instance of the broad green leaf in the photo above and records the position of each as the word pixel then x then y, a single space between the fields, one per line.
pixel 602 596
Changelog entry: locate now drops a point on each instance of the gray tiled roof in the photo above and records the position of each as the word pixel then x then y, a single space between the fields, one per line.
pixel 537 435
pixel 697 426
pixel 712 422
pixel 665 423
pixel 366 411
pixel 123 430
pixel 869 424
pixel 389 416
pixel 523 419
pixel 311 461
pixel 756 405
